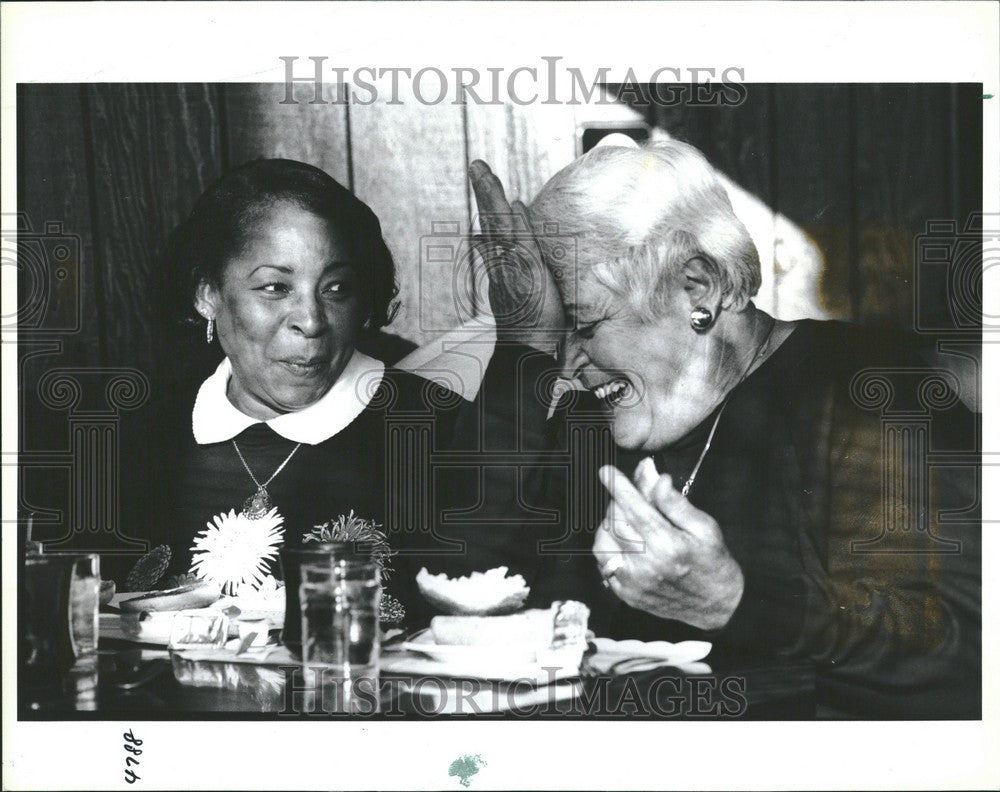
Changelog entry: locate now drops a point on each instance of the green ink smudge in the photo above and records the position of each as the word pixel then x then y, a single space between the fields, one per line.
pixel 465 767
pixel 987 96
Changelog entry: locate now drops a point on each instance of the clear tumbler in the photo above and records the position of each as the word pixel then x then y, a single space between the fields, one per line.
pixel 339 600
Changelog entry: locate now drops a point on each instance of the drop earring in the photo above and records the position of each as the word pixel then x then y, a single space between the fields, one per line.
pixel 210 331
pixel 701 318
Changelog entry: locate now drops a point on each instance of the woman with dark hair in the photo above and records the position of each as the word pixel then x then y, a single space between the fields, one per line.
pixel 287 272
pixel 203 244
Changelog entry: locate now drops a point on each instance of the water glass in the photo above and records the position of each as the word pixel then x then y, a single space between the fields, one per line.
pixel 59 609
pixel 84 593
pixel 340 606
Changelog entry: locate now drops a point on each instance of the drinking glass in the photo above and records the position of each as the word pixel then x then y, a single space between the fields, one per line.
pixel 340 633
pixel 84 594
pixel 59 609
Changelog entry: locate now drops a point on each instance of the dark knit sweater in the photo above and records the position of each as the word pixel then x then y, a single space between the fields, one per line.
pixel 875 590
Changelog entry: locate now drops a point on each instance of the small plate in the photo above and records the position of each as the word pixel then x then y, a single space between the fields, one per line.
pixel 423 643
pixel 421 655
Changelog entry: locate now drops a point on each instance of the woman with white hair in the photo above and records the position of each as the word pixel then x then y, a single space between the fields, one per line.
pixel 765 510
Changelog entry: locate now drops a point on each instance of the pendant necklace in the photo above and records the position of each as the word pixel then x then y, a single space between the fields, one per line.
pixel 708 443
pixel 259 504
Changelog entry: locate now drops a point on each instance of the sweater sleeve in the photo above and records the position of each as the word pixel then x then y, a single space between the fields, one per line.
pixel 507 503
pixel 895 624
pixel 491 501
pixel 887 605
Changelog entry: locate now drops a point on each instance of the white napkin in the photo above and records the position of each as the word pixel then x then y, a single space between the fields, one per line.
pixel 631 656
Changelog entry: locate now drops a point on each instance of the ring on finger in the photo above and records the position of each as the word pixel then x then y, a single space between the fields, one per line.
pixel 612 567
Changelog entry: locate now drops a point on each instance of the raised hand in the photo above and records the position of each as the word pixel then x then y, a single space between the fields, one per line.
pixel 522 292
pixel 660 554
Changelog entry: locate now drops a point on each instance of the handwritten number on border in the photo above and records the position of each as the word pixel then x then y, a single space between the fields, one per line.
pixel 132 744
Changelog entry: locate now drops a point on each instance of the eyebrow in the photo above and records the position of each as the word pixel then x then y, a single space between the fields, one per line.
pixel 333 265
pixel 286 270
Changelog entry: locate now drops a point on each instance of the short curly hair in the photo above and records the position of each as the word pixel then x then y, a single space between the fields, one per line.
pixel 638 213
pixel 217 227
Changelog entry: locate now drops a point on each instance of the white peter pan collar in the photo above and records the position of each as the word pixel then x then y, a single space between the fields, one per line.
pixel 215 419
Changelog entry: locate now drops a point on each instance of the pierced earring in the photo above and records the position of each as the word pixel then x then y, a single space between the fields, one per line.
pixel 210 331
pixel 701 318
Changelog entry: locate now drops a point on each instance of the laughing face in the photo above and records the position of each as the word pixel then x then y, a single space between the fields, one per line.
pixel 656 380
pixel 287 311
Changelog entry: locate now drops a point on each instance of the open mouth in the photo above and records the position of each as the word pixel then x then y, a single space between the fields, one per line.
pixel 613 392
pixel 305 367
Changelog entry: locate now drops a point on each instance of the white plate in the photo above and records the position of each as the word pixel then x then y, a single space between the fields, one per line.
pixel 421 655
pixel 423 642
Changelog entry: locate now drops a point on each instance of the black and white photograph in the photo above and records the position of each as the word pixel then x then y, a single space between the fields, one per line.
pixel 415 395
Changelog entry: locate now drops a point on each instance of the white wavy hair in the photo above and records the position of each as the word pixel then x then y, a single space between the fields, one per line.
pixel 637 214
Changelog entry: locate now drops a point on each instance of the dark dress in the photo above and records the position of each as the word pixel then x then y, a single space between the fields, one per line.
pixel 840 477
pixel 173 487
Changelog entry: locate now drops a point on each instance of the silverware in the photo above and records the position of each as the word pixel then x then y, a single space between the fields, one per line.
pixel 246 643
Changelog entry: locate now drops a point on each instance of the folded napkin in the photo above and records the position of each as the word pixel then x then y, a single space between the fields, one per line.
pixel 630 657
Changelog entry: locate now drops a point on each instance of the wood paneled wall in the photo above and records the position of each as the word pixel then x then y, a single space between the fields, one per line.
pixel 839 178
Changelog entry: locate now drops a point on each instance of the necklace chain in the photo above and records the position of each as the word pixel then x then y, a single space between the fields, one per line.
pixel 715 425
pixel 701 458
pixel 273 475
pixel 260 502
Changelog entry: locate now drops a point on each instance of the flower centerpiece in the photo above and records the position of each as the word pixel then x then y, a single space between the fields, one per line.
pixel 369 535
pixel 235 551
pixel 351 528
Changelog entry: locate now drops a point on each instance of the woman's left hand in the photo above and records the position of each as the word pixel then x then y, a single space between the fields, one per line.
pixel 662 555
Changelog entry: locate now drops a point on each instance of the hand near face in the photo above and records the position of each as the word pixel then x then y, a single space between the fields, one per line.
pixel 675 564
pixel 523 294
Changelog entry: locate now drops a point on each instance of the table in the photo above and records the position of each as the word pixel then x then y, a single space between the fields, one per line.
pixel 130 681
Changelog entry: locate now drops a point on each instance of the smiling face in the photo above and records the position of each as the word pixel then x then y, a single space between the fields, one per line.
pixel 657 380
pixel 288 311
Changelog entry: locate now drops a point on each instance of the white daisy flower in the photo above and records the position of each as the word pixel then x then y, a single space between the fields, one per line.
pixel 269 595
pixel 235 550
